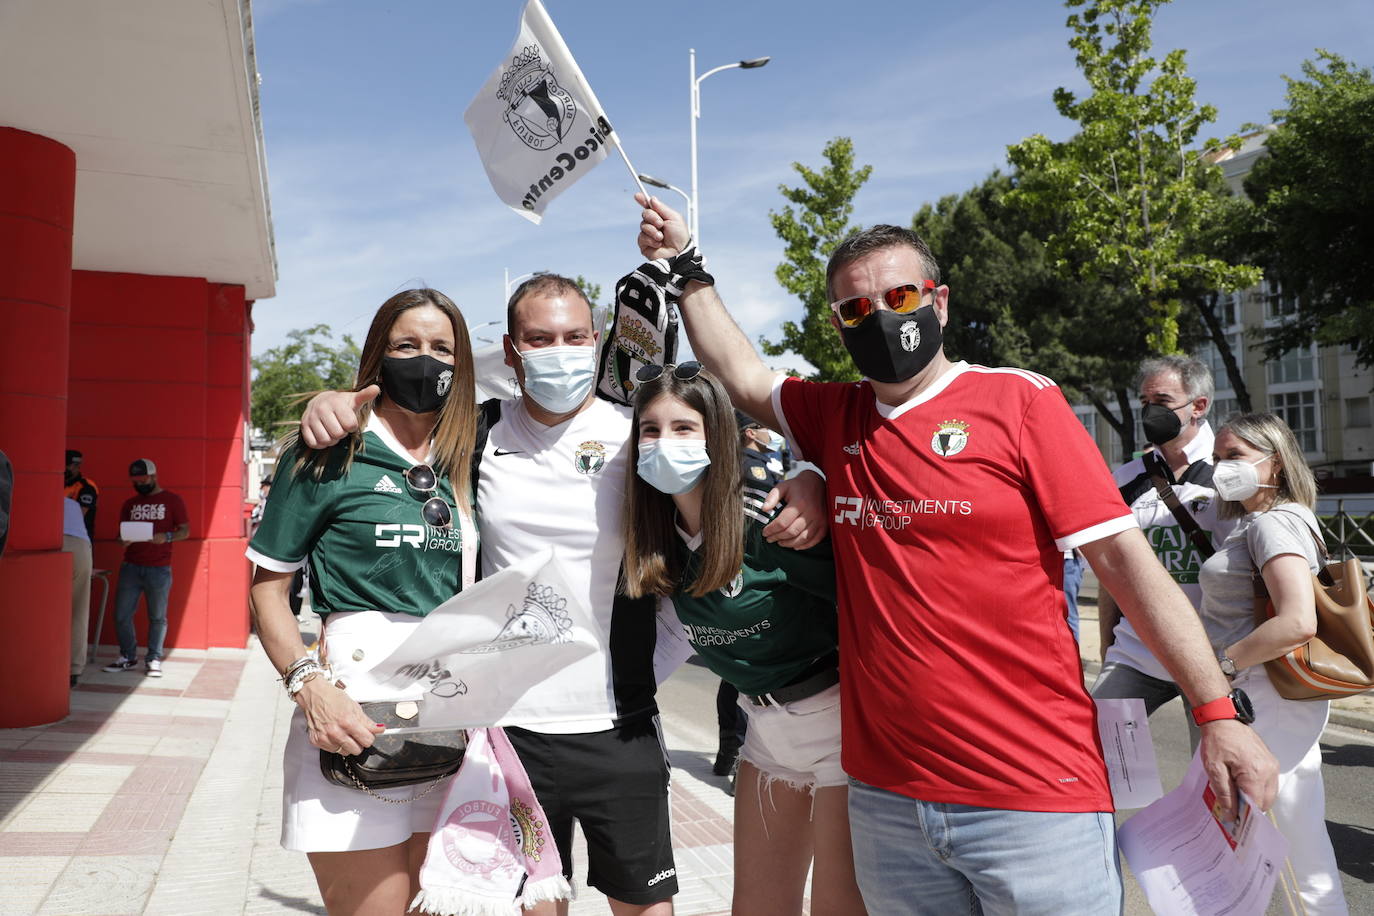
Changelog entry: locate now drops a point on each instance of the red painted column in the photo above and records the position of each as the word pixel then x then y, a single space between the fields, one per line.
pixel 37 191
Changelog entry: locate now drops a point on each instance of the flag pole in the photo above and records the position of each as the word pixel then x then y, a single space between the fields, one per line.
pixel 633 174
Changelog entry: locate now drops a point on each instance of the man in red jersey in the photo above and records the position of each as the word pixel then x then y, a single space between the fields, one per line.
pixel 976 774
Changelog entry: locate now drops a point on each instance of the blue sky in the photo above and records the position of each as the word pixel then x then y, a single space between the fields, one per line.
pixel 376 186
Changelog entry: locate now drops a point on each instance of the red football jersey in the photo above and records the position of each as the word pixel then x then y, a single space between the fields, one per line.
pixel 961 679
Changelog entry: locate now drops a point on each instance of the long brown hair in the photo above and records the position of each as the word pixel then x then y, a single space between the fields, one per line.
pixel 651 566
pixel 455 430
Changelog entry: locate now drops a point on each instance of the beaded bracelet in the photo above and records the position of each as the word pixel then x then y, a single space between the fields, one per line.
pixel 291 669
pixel 307 672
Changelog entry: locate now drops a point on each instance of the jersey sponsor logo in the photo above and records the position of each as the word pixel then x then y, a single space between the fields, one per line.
pixel 148 512
pixel 590 457
pixel 852 448
pixel 894 514
pixel 666 873
pixel 542 619
pixel 950 438
pixel 699 635
pixel 1176 552
pixel 419 536
pixel 735 587
pixel 444 383
pixel 910 335
pixel 386 485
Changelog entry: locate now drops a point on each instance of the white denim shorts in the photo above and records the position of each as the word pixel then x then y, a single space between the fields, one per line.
pixel 319 816
pixel 797 743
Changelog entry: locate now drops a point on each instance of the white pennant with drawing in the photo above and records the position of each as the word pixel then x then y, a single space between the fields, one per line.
pixel 480 655
pixel 537 124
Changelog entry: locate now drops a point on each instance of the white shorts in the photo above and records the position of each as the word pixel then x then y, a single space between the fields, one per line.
pixel 319 816
pixel 797 743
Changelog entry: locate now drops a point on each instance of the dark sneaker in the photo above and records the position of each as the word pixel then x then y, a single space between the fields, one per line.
pixel 121 664
pixel 725 759
pixel 154 667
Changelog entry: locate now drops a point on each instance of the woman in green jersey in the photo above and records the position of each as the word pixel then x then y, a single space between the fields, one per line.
pixel 384 520
pixel 762 617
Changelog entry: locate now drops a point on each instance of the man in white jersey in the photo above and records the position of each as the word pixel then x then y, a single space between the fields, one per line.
pixel 1175 397
pixel 976 776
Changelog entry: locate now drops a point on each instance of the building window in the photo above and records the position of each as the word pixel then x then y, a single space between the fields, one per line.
pixel 1297 365
pixel 1223 408
pixel 1299 410
pixel 1357 412
pixel 1088 417
pixel 1277 303
pixel 1228 309
pixel 1210 355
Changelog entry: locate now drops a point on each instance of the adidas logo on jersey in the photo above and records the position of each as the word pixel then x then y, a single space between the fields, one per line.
pixel 386 485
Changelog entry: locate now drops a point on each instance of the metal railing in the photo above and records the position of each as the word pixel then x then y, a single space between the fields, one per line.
pixel 1343 531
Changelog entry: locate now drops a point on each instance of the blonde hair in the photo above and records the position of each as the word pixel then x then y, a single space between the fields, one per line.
pixel 651 564
pixel 455 430
pixel 1269 433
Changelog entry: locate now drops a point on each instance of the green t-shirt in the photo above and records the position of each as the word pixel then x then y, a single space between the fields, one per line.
pixel 765 628
pixel 362 533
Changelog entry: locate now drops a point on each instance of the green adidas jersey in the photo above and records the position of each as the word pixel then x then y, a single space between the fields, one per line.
pixel 362 533
pixel 764 629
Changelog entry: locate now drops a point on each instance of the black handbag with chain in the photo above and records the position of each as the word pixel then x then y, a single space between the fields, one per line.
pixel 397 760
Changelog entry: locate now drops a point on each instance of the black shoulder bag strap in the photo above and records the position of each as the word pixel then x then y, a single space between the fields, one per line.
pixel 1160 477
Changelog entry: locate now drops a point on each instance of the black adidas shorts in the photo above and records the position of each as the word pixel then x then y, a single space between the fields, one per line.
pixel 615 784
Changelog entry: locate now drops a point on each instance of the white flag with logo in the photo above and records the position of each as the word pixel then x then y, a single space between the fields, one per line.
pixel 479 656
pixel 537 125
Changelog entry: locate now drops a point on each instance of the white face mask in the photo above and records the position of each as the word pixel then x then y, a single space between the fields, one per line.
pixel 559 378
pixel 1237 480
pixel 672 465
pixel 775 442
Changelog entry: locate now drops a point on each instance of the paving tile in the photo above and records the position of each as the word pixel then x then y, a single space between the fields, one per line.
pixel 10 803
pixel 88 778
pixel 38 843
pixel 24 777
pixel 127 842
pixel 26 881
pixel 58 813
pixel 141 812
pixel 102 884
pixel 163 776
pixel 171 746
pixel 217 679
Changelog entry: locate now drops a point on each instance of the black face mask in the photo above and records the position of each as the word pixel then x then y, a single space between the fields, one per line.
pixel 69 478
pixel 145 488
pixel 1160 424
pixel 420 384
pixel 894 347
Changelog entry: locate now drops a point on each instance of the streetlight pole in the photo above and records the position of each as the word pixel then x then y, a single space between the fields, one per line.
pixel 694 86
pixel 660 183
pixel 506 298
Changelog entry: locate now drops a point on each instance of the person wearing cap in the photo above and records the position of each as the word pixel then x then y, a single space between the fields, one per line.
pixel 84 491
pixel 147 566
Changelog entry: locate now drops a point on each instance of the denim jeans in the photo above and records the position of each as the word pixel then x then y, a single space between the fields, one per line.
pixel 1073 582
pixel 154 582
pixel 915 857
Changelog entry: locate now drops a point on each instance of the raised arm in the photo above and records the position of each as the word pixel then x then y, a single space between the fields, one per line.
pixel 716 340
pixel 1233 755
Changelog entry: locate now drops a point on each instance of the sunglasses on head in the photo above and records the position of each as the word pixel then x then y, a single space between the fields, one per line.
pixel 853 311
pixel 423 481
pixel 683 372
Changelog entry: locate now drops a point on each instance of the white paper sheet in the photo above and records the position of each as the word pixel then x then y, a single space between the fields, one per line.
pixel 671 648
pixel 1191 863
pixel 479 655
pixel 1129 752
pixel 135 531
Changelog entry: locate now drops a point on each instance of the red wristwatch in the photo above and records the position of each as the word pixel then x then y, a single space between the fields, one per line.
pixel 1235 705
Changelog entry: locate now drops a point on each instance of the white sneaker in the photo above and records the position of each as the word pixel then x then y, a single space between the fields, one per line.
pixel 154 667
pixel 121 664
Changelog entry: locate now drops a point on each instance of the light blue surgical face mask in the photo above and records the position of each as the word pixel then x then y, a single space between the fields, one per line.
pixel 672 465
pixel 559 379
pixel 775 442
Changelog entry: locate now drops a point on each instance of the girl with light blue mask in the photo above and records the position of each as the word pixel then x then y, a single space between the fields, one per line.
pixel 760 616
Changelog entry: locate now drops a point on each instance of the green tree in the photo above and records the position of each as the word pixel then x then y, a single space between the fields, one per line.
pixel 811 229
pixel 1315 198
pixel 309 361
pixel 1133 191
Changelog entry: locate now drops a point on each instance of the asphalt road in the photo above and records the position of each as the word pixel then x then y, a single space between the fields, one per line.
pixel 1348 754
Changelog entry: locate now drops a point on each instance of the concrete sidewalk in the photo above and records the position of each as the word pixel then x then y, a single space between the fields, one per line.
pixel 164 796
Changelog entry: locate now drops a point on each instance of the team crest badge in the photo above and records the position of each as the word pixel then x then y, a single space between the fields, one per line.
pixel 590 457
pixel 445 382
pixel 910 335
pixel 757 472
pixel 950 438
pixel 1199 504
pixel 538 110
pixel 735 587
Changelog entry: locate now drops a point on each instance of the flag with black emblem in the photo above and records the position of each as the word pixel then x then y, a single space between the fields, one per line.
pixel 537 124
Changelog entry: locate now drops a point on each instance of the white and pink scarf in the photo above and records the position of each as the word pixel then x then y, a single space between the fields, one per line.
pixel 491 851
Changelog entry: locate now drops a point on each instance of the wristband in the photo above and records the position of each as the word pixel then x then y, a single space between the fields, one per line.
pixel 685 266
